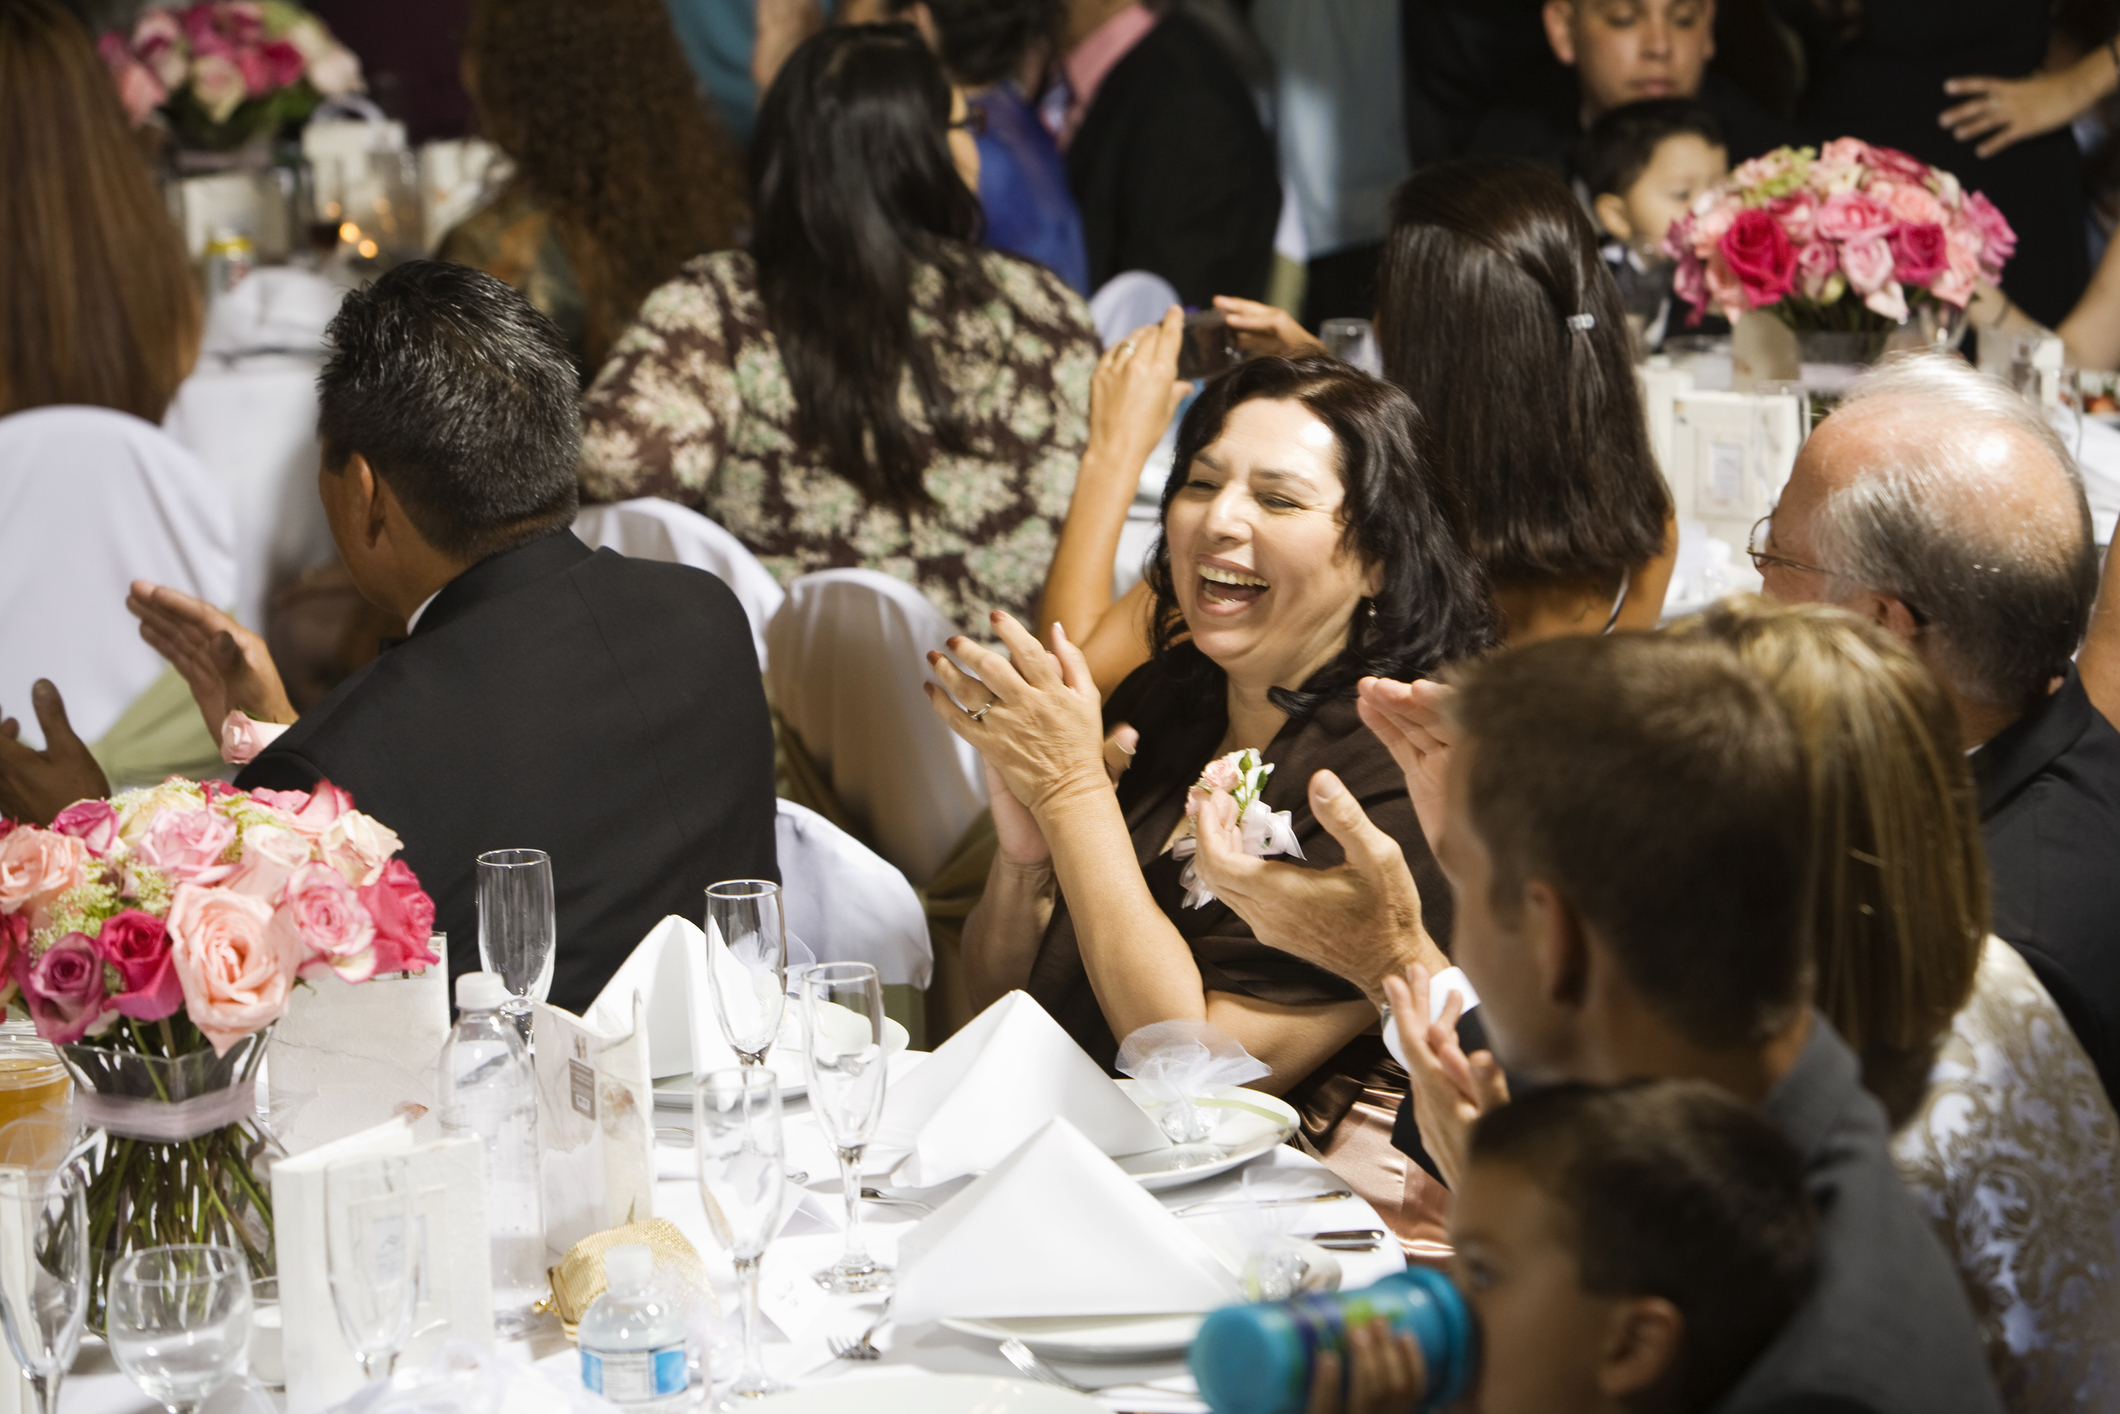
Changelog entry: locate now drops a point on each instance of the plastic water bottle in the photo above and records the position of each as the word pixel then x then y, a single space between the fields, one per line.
pixel 632 1339
pixel 1257 1359
pixel 487 1089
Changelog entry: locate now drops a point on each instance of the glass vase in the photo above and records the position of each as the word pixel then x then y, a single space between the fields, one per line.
pixel 174 1152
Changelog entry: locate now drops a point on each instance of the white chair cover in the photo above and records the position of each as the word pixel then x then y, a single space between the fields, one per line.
pixel 846 663
pixel 846 902
pixel 90 500
pixel 1128 300
pixel 651 528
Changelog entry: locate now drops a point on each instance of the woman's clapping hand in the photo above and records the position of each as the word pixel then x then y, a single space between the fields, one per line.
pixel 1035 718
pixel 1450 1089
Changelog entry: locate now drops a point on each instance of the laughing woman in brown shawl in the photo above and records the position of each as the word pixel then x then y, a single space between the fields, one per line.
pixel 1305 545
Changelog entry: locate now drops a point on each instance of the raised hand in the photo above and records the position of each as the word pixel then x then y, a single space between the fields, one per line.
pixel 1034 717
pixel 1262 328
pixel 37 785
pixel 227 667
pixel 1133 393
pixel 1408 718
pixel 1450 1089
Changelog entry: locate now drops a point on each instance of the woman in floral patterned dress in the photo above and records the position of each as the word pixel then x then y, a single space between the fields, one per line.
pixel 865 387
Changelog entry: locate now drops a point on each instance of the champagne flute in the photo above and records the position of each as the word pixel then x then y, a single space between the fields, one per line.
pixel 745 916
pixel 842 1027
pixel 515 927
pixel 371 1252
pixel 178 1319
pixel 43 1273
pixel 737 1115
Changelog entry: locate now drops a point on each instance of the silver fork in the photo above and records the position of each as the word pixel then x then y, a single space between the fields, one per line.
pixel 865 1347
pixel 1026 1360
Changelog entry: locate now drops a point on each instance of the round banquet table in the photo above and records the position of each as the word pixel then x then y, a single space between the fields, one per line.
pixel 810 1241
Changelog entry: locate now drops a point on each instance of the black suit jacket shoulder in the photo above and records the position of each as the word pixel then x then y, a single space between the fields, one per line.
pixel 2050 816
pixel 605 710
pixel 1175 172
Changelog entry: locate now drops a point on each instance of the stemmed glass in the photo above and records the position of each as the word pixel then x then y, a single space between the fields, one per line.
pixel 842 1027
pixel 43 1274
pixel 178 1319
pixel 515 929
pixel 737 1115
pixel 746 916
pixel 371 1251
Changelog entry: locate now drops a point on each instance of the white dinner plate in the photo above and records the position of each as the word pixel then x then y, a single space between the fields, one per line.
pixel 1247 1123
pixel 930 1394
pixel 1118 1338
pixel 674 1092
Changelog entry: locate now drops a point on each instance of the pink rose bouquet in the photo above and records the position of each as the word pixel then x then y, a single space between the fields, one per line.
pixel 1850 237
pixel 171 919
pixel 224 71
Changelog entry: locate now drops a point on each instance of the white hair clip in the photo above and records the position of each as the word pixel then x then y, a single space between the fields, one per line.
pixel 1582 323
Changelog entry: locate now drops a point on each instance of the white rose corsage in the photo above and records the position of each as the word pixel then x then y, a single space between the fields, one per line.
pixel 1266 832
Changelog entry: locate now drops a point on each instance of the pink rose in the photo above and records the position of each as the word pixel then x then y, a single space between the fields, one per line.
pixel 1816 264
pixel 244 20
pixel 1919 253
pixel 63 987
pixel 1912 206
pixel 404 920
pixel 357 846
pixel 1758 253
pixel 283 62
pixel 1891 162
pixel 1761 170
pixel 36 866
pixel 1868 264
pixel 136 946
pixel 218 84
pixel 1999 242
pixel 200 31
pixel 1221 774
pixel 1711 225
pixel 1690 285
pixel 1846 151
pixel 327 922
pixel 157 29
pixel 1725 290
pixel 188 845
pixel 1798 214
pixel 1852 216
pixel 250 62
pixel 234 981
pixel 271 854
pixel 14 940
pixel 140 92
pixel 93 822
pixel 313 812
pixel 242 738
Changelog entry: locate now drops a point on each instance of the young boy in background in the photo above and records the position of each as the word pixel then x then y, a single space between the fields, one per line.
pixel 1631 1248
pixel 1640 168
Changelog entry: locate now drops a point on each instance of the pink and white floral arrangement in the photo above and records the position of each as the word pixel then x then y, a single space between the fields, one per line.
pixel 227 70
pixel 1849 237
pixel 1242 775
pixel 198 902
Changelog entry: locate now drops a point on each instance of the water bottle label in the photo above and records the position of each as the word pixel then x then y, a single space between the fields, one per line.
pixel 635 1376
pixel 581 1088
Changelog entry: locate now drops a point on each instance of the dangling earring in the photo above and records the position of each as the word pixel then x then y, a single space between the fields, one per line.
pixel 1372 608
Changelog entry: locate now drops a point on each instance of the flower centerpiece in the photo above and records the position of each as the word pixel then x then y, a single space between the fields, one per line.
pixel 1850 239
pixel 154 938
pixel 1266 832
pixel 225 71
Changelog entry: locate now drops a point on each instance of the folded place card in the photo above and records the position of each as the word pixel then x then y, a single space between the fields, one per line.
pixel 994 1084
pixel 1055 1229
pixel 595 1125
pixel 456 1258
pixel 345 1057
pixel 660 972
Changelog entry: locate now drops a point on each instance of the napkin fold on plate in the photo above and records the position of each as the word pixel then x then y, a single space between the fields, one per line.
pixel 1055 1229
pixel 993 1085
pixel 595 1117
pixel 684 1035
pixel 346 1058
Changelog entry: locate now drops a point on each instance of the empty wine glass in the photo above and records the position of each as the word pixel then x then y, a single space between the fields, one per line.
pixel 842 1028
pixel 745 917
pixel 178 1319
pixel 515 927
pixel 43 1273
pixel 737 1114
pixel 371 1251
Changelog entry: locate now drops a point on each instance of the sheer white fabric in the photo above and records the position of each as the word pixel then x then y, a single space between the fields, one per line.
pixel 1127 301
pixel 651 528
pixel 847 658
pixel 90 500
pixel 846 902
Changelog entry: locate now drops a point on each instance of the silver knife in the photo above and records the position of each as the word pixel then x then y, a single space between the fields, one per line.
pixel 1350 1240
pixel 1224 1205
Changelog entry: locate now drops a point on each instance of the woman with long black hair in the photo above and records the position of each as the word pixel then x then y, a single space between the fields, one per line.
pixel 864 387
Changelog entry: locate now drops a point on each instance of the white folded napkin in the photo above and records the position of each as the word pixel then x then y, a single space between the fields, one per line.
pixel 994 1084
pixel 684 1035
pixel 1055 1229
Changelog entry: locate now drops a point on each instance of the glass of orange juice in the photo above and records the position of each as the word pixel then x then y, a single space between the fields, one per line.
pixel 35 1128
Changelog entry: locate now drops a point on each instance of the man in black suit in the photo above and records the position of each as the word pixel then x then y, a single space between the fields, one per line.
pixel 607 711
pixel 1941 504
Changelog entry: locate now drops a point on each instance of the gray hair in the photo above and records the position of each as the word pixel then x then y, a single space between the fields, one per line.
pixel 2005 601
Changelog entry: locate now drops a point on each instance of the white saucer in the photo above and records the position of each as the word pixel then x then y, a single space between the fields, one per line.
pixel 674 1092
pixel 1129 1338
pixel 1247 1123
pixel 931 1394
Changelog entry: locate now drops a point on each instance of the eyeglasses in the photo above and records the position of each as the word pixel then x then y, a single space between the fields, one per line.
pixel 973 121
pixel 1762 557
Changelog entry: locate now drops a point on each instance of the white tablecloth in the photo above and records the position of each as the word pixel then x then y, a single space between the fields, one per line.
pixel 97 1387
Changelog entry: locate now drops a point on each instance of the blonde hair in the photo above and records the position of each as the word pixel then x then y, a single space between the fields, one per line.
pixel 1899 907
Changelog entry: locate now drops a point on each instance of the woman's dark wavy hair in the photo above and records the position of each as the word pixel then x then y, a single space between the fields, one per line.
pixel 855 192
pixel 1537 424
pixel 1432 607
pixel 984 41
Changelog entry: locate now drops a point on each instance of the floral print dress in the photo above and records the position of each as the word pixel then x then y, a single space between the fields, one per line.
pixel 695 406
